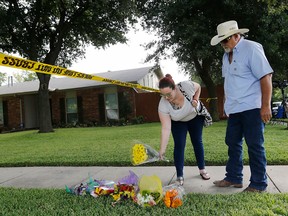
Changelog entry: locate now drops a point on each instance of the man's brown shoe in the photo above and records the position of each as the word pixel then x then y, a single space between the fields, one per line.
pixel 253 190
pixel 224 183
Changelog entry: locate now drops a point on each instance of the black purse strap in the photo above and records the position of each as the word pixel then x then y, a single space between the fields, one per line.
pixel 183 92
pixel 202 109
pixel 188 98
pixel 186 95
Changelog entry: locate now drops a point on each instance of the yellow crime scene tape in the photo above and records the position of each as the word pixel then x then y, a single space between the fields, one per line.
pixel 24 64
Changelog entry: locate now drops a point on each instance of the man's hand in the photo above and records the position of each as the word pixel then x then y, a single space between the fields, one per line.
pixel 266 90
pixel 266 114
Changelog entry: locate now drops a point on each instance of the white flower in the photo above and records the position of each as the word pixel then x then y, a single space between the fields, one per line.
pixel 145 200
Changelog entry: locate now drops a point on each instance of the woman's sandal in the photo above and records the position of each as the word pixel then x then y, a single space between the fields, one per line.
pixel 204 175
pixel 180 180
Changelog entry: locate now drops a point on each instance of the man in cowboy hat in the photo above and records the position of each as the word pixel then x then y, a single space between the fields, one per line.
pixel 248 89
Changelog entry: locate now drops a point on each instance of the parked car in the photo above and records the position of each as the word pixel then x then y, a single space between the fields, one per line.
pixel 275 107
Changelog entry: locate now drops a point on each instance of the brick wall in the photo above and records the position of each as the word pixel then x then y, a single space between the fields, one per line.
pixel 90 103
pixel 130 95
pixel 13 111
pixel 55 106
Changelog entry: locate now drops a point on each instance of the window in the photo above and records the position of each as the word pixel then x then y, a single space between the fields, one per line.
pixel 111 104
pixel 71 110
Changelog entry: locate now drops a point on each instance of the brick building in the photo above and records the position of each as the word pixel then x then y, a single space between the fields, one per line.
pixel 87 101
pixel 82 101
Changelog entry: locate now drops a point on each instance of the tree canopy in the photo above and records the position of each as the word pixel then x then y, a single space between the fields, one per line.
pixel 2 78
pixel 24 76
pixel 57 32
pixel 187 27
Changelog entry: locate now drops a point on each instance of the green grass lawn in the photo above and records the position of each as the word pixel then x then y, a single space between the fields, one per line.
pixel 108 146
pixel 43 202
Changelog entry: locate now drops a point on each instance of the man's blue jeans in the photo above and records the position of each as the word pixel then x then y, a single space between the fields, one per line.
pixel 247 125
pixel 179 132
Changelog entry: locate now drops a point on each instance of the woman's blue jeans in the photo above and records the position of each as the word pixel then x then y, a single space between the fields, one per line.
pixel 247 125
pixel 179 132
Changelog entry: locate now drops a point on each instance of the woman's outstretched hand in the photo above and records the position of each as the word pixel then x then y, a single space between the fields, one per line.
pixel 161 154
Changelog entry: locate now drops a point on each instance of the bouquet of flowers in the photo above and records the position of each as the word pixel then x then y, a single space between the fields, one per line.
pixel 123 192
pixel 92 187
pixel 83 189
pixel 142 153
pixel 105 187
pixel 126 188
pixel 173 195
pixel 150 191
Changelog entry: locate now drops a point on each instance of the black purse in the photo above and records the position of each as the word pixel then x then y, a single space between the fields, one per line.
pixel 202 110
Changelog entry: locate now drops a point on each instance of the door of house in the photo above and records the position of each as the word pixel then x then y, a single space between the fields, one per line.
pixel 30 112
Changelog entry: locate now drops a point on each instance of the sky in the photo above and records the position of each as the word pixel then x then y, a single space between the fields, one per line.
pixel 125 56
pixel 120 57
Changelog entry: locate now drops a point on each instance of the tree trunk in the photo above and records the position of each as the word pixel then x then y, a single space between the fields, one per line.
pixel 213 102
pixel 45 122
pixel 203 71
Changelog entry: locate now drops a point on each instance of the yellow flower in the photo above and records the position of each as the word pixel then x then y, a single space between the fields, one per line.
pixel 139 154
pixel 116 196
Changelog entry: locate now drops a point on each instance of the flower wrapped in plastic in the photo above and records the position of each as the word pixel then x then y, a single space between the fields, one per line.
pixel 104 187
pixel 123 192
pixel 125 188
pixel 173 195
pixel 150 191
pixel 142 153
pixel 83 189
pixel 131 179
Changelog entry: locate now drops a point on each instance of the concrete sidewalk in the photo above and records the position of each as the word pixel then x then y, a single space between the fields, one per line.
pixel 58 177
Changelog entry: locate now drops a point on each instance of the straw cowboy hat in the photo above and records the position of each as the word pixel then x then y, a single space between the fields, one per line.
pixel 225 30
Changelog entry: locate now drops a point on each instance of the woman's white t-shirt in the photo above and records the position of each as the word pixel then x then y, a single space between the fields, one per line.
pixel 186 112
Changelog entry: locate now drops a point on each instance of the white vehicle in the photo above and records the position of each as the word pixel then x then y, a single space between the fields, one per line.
pixel 275 106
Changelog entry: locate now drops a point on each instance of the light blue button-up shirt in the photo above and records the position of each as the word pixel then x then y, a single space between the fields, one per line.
pixel 242 77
